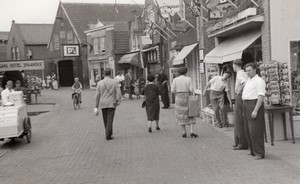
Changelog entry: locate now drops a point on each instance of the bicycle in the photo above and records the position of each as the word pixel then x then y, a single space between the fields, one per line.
pixel 76 102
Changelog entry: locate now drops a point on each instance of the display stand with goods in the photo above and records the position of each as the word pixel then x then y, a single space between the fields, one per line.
pixel 276 77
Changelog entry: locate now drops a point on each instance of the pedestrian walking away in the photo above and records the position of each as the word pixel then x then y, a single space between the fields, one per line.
pixel 163 82
pixel 239 128
pixel 108 96
pixel 128 83
pixel 253 99
pixel 182 87
pixel 151 97
pixel 218 85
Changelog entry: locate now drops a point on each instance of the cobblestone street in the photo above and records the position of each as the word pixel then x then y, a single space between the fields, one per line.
pixel 69 147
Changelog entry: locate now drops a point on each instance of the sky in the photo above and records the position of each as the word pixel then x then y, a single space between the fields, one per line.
pixel 39 11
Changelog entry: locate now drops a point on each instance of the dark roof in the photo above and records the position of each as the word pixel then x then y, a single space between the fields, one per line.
pixel 84 14
pixel 4 35
pixel 36 33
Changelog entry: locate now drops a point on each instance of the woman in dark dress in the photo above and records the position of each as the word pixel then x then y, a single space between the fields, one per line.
pixel 151 93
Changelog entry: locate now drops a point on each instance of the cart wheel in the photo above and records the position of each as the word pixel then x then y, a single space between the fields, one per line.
pixel 27 129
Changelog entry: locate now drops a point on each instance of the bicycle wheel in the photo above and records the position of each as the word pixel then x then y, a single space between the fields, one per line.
pixel 75 102
pixel 78 104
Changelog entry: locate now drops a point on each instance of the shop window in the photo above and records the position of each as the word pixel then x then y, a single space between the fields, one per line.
pixel 102 44
pixel 96 46
pixel 29 53
pixel 295 73
pixel 17 53
pixel 13 55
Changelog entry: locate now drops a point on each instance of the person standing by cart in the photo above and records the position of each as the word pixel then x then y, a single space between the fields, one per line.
pixel 239 128
pixel 253 106
pixel 5 93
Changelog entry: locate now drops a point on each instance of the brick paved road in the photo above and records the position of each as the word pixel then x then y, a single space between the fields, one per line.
pixel 68 147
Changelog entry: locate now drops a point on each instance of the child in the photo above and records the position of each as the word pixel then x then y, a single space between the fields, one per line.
pixel 137 88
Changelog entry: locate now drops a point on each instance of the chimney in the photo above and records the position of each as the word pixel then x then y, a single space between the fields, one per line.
pixel 13 22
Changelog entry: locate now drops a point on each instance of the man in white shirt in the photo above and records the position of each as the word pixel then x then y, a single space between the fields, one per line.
pixel 121 78
pixel 239 128
pixel 218 89
pixel 5 93
pixel 253 99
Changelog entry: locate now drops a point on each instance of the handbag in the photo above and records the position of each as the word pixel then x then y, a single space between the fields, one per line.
pixel 193 106
pixel 144 104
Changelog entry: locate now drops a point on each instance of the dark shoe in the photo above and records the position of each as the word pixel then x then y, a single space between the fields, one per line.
pixel 193 135
pixel 239 148
pixel 184 135
pixel 220 125
pixel 149 130
pixel 226 125
pixel 234 145
pixel 109 138
pixel 157 128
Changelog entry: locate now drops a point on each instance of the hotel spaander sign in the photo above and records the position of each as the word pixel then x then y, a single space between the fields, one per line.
pixel 22 65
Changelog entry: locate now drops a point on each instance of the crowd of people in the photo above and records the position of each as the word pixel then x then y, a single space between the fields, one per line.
pixel 249 98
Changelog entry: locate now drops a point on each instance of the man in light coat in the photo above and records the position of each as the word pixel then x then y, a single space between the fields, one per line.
pixel 5 93
pixel 108 96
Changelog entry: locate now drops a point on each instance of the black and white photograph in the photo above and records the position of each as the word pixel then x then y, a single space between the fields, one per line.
pixel 149 92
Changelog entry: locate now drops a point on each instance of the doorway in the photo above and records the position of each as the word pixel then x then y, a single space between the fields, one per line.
pixel 65 69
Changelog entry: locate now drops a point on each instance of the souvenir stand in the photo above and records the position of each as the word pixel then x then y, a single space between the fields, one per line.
pixel 277 99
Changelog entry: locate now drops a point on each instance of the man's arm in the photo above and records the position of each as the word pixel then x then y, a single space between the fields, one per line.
pixel 97 96
pixel 259 102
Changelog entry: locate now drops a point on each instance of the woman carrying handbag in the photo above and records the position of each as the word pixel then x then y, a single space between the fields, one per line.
pixel 182 87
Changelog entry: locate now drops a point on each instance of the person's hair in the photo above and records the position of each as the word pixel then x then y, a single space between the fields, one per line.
pixel 107 72
pixel 150 77
pixel 182 71
pixel 228 72
pixel 253 65
pixel 9 82
pixel 238 62
pixel 18 82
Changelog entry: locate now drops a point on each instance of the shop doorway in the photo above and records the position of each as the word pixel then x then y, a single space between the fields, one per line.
pixel 65 71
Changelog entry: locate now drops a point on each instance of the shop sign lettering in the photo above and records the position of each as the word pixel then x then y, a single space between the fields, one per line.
pixel 22 65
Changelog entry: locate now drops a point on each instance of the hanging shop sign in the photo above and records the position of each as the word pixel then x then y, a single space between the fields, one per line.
pixel 71 50
pixel 22 65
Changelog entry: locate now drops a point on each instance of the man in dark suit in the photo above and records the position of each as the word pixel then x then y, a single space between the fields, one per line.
pixel 108 96
pixel 164 92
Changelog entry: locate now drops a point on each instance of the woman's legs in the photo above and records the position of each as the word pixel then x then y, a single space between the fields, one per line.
pixel 184 131
pixel 157 124
pixel 149 126
pixel 192 131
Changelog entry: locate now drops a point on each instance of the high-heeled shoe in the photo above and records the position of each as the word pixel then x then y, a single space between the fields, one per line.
pixel 194 135
pixel 184 135
pixel 149 130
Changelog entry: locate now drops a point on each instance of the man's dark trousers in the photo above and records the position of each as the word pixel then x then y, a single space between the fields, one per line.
pixel 108 118
pixel 239 128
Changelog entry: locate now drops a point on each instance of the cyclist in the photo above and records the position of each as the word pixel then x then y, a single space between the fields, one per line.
pixel 77 87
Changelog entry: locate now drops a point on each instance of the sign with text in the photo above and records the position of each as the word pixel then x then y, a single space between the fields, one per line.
pixel 71 50
pixel 22 65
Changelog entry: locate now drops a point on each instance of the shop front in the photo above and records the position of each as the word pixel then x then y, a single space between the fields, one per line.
pixel 189 57
pixel 132 61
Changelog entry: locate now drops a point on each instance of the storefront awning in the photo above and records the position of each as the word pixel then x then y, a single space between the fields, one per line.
pixel 183 53
pixel 231 48
pixel 132 58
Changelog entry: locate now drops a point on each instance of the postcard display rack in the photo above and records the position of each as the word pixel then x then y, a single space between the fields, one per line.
pixel 276 77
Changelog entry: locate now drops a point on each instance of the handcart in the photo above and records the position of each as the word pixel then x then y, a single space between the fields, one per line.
pixel 14 121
